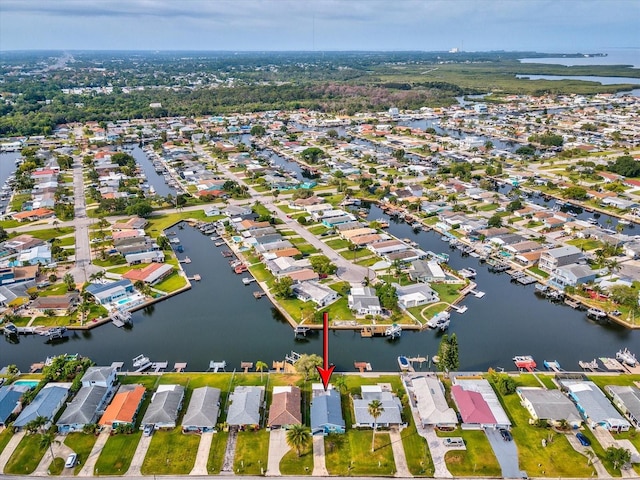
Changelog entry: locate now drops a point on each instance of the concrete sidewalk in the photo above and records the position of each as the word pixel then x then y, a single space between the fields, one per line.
pixel 90 462
pixel 202 457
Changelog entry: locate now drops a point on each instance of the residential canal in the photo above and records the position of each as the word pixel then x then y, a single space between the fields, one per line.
pixel 152 178
pixel 218 319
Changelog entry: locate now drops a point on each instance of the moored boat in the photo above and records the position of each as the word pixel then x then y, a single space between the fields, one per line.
pixel 403 362
pixel 626 357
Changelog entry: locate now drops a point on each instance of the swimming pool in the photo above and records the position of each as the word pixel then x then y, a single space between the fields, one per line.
pixel 122 301
pixel 28 383
pixel 236 239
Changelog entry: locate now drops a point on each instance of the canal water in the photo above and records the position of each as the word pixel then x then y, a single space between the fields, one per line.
pixel 218 319
pixel 153 179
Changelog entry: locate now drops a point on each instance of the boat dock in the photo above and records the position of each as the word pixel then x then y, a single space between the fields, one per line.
pixel 477 293
pixel 301 331
pixel 572 303
pixel 158 367
pixel 258 295
pixel 120 318
pixel 143 367
pixel 180 367
pixel 589 366
pixel 612 364
pixel 246 366
pixel 418 360
pixel 185 260
pixel 362 366
pixel 458 309
pixel 215 367
pixel 195 277
pixel 248 281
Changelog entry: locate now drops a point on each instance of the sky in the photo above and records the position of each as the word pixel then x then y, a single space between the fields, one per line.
pixel 316 25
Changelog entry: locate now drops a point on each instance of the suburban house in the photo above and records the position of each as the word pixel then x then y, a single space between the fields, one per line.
pixel 593 405
pixel 426 271
pixel 285 265
pixel 135 223
pixel 57 303
pixel 145 257
pixel 415 295
pixel 550 405
pixel 285 407
pixel 88 404
pixel 164 407
pixel 319 294
pixel 10 396
pixel 105 293
pixel 326 410
pixel 430 401
pixel 124 407
pixel 244 406
pixel 203 410
pixel 364 301
pixel 478 404
pixel 390 402
pixel 30 215
pixel 572 275
pixel 47 403
pixel 559 257
pixel 627 399
pixel 151 274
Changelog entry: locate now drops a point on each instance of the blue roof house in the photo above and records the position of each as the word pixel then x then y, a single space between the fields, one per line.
pixel 10 401
pixel 46 404
pixel 326 411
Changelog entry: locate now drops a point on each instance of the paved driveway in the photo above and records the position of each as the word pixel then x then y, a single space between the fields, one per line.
pixel 277 449
pixel 506 453
pixel 138 456
pixel 202 457
pixel 90 462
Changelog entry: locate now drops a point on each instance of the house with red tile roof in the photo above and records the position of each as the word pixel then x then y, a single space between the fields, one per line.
pixel 151 274
pixel 285 407
pixel 37 214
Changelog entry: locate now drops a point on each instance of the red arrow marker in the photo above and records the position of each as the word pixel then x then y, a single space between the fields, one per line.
pixel 326 371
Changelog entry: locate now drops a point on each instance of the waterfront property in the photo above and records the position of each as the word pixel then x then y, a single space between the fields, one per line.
pixel 558 257
pixel 428 397
pixel 550 405
pixel 364 301
pixel 110 292
pixel 326 411
pixel 627 399
pixel 285 407
pixel 593 405
pixel 202 413
pixel 315 292
pixel 478 404
pixel 10 396
pixel 47 403
pixel 124 407
pixel 391 414
pixel 83 410
pixel 244 406
pixel 165 406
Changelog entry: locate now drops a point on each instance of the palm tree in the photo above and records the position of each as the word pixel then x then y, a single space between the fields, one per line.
pixel 260 366
pixel 47 439
pixel 375 409
pixel 340 381
pixel 298 437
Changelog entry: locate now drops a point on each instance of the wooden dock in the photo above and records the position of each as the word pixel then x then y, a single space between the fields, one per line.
pixel 572 303
pixel 589 366
pixel 258 295
pixel 217 366
pixel 195 277
pixel 277 366
pixel 185 260
pixel 158 367
pixel 179 367
pixel 246 366
pixel 612 364
pixel 362 366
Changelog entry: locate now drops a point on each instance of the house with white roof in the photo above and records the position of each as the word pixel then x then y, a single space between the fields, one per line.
pixel 415 295
pixel 428 398
pixel 364 301
pixel 392 413
pixel 593 405
pixel 316 292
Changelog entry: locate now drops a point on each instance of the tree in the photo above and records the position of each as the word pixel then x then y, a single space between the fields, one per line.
pixel 3 234
pixel 282 287
pixel 307 364
pixel 375 409
pixel 36 424
pixel 388 296
pixel 99 275
pixel 322 265
pixel 258 131
pixel 618 456
pixel 260 366
pixel 625 165
pixel 340 382
pixel 47 439
pixel 448 354
pixel 574 192
pixel 69 281
pixel 298 437
pixel 312 154
pixel 495 221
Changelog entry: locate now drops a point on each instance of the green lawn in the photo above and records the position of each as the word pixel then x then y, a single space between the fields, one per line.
pixel 5 436
pixel 158 223
pixel 55 289
pixel 117 454
pixel 537 271
pixel 216 454
pixel 67 241
pixel 339 244
pixel 478 460
pixel 26 456
pixel 251 452
pixel 318 229
pixel 171 453
pixel 303 246
pixel 353 456
pixel 172 283
pixel 126 268
pixel 260 272
pixel 111 261
pixel 82 445
pixel 585 243
pixel 51 233
pixel 367 262
pixel 292 464
pixel 415 449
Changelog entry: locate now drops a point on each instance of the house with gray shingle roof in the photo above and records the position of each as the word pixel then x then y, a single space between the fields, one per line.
pixel 550 405
pixel 203 410
pixel 627 399
pixel 85 408
pixel 47 403
pixel 391 414
pixel 244 408
pixel 100 376
pixel 164 407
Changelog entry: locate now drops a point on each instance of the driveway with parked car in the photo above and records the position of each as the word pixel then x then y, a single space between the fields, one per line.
pixel 506 452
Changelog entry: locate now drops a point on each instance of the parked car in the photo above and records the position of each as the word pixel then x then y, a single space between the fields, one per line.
pixel 148 430
pixel 583 439
pixel 71 461
pixel 453 442
pixel 506 435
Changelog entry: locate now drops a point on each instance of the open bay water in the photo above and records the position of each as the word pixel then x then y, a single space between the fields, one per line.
pixel 218 319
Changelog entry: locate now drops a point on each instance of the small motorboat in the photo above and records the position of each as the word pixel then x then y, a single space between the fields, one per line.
pixel 626 357
pixel 404 363
pixel 524 362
